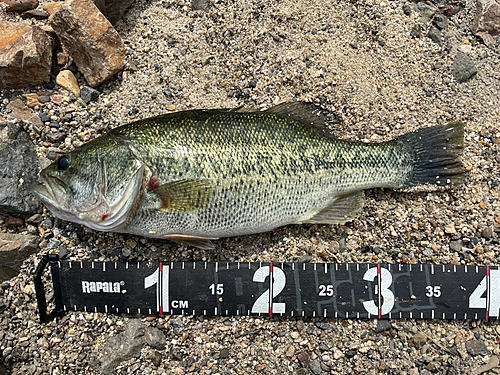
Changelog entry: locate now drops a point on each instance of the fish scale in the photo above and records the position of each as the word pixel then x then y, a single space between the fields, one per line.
pixel 220 173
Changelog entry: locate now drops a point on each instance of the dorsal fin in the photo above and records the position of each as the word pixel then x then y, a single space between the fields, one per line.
pixel 242 109
pixel 307 113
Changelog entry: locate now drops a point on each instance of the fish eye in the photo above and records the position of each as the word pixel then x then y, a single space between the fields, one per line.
pixel 63 162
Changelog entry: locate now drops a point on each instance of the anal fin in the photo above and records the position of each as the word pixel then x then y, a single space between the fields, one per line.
pixel 343 209
pixel 199 242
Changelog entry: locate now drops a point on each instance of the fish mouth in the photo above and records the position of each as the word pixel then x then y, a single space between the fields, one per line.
pixel 53 195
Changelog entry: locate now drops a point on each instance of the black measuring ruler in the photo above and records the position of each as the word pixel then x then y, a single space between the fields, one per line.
pixel 274 289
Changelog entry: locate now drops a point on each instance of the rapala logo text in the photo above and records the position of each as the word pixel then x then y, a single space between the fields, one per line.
pixel 101 286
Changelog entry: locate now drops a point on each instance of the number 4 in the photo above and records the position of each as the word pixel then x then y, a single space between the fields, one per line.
pixel 433 291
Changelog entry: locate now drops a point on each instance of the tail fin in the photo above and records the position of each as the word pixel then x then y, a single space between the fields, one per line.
pixel 437 152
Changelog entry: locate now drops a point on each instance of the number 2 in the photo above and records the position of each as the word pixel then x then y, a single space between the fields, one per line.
pixel 279 280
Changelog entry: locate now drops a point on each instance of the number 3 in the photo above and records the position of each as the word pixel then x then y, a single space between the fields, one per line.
pixel 385 292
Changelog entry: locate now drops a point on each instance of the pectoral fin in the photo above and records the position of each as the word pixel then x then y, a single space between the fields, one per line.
pixel 184 195
pixel 345 208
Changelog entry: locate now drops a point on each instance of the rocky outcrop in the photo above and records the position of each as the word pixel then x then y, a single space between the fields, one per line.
pixel 25 55
pixel 486 24
pixel 18 171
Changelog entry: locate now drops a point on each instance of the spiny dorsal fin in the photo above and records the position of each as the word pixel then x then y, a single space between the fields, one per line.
pixel 184 195
pixel 343 209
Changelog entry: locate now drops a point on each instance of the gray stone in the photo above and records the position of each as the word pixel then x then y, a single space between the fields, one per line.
pixel 476 347
pixel 426 9
pixel 203 5
pixel 44 99
pixel 56 137
pixel 53 244
pixel 456 245
pixel 18 171
pixel 434 34
pixel 123 346
pixel 89 94
pixel 155 338
pixel 440 21
pixel 315 367
pixel 463 67
pixel 14 250
pixel 416 31
pixel 323 325
pixel 224 353
pixel 383 325
pixel 53 153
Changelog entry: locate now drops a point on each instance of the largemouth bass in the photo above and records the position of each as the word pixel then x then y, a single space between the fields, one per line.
pixel 199 175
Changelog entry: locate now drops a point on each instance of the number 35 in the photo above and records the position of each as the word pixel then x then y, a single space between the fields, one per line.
pixel 433 291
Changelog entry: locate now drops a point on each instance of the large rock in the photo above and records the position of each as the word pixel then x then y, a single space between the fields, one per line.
pixel 18 171
pixel 486 24
pixel 123 346
pixel 90 39
pixel 14 249
pixel 25 55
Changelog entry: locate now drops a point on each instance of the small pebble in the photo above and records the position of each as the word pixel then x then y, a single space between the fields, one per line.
pixel 476 347
pixel 419 340
pixel 487 232
pixel 14 222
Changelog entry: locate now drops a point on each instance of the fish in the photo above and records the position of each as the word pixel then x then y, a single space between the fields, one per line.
pixel 199 175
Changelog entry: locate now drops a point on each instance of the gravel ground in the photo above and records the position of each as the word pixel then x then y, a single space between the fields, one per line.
pixel 357 60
